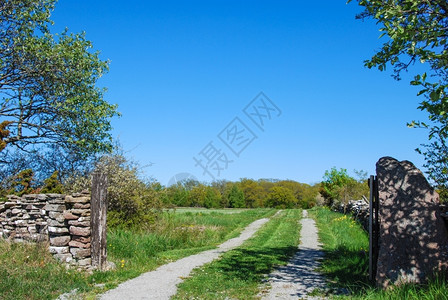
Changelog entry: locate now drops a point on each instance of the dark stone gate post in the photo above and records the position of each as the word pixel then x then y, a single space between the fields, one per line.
pixel 413 243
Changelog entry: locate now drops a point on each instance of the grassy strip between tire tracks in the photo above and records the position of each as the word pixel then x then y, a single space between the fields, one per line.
pixel 346 261
pixel 28 271
pixel 239 272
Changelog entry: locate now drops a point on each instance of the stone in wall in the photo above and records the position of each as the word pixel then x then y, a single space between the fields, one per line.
pixel 413 241
pixel 61 220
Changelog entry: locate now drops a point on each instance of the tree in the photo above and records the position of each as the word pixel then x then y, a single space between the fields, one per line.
pixel 437 165
pixel 254 194
pixel 333 183
pixel 337 185
pixel 236 197
pixel 197 196
pixel 281 197
pixel 308 195
pixel 177 195
pixel 212 197
pixel 417 31
pixel 48 92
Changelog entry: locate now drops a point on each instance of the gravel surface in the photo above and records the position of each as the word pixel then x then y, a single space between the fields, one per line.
pixel 298 278
pixel 162 283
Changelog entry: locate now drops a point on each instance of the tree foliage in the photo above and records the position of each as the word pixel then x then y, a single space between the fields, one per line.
pixel 245 193
pixel 236 197
pixel 254 192
pixel 48 92
pixel 281 197
pixel 417 32
pixel 132 200
pixel 337 186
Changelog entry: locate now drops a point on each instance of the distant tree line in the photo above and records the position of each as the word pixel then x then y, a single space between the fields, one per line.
pixel 133 198
pixel 245 193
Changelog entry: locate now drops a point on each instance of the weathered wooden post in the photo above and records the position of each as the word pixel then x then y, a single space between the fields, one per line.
pixel 98 222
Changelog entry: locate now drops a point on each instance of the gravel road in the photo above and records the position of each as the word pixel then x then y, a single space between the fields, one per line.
pixel 298 278
pixel 162 283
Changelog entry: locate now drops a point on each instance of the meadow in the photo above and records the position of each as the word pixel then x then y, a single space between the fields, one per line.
pixel 239 272
pixel 346 262
pixel 28 271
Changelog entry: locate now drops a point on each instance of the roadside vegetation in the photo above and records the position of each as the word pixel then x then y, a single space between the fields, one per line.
pixel 28 271
pixel 346 262
pixel 239 272
pixel 176 235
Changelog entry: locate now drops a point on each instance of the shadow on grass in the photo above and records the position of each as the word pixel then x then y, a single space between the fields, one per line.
pixel 253 264
pixel 347 269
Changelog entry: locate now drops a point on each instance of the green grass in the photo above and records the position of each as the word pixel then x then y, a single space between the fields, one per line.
pixel 30 272
pixel 346 249
pixel 346 261
pixel 177 235
pixel 209 210
pixel 239 273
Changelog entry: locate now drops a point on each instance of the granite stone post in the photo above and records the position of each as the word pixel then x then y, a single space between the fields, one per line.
pixel 413 241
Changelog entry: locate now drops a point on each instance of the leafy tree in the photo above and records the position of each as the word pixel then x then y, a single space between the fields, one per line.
pixel 212 197
pixel 281 197
pixel 417 32
pixel 197 196
pixel 236 197
pixel 254 193
pixel 177 195
pixel 48 92
pixel 333 184
pixel 437 165
pixel 222 186
pixel 307 195
pixel 337 186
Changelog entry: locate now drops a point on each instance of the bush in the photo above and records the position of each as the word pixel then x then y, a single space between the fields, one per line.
pixel 132 201
pixel 52 185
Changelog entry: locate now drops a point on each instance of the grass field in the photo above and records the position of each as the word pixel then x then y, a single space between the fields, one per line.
pixel 208 210
pixel 346 262
pixel 239 273
pixel 28 271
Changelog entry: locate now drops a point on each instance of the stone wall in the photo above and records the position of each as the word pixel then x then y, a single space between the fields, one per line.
pixel 61 220
pixel 359 209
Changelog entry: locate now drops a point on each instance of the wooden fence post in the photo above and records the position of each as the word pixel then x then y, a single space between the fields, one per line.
pixel 98 221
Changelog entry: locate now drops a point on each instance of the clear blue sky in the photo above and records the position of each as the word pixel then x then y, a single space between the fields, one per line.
pixel 181 71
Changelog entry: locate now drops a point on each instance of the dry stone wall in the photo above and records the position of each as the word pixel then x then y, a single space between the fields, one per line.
pixel 61 220
pixel 359 209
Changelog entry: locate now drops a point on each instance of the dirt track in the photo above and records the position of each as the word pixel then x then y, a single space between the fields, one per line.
pixel 298 278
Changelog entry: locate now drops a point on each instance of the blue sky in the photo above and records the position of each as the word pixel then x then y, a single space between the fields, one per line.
pixel 181 71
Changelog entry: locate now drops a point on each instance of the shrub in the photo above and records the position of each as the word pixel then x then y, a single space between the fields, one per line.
pixel 132 201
